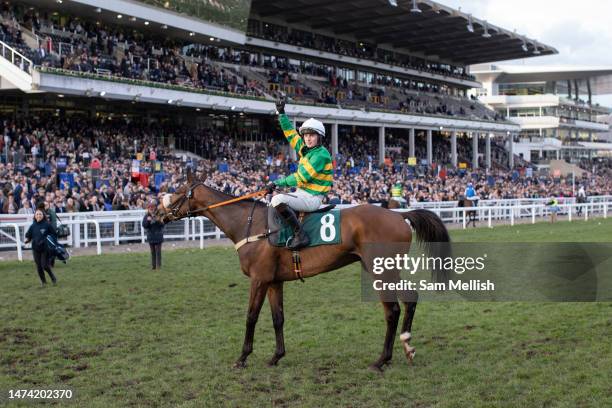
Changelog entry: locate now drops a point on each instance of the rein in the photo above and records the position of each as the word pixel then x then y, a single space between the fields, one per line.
pixel 190 213
pixel 235 200
pixel 174 207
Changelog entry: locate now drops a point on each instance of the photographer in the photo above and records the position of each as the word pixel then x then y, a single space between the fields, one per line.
pixel 155 234
pixel 37 234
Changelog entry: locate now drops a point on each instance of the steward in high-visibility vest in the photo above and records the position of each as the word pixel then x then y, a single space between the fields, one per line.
pixel 313 178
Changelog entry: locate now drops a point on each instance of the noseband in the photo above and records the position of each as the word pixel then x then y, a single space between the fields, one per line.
pixel 175 206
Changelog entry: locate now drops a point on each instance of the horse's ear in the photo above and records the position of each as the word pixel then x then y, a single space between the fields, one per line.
pixel 189 175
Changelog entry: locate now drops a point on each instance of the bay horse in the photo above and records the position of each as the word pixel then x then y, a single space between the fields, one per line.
pixel 393 204
pixel 471 215
pixel 268 267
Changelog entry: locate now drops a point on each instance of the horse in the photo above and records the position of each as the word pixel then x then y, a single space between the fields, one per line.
pixel 395 204
pixel 471 215
pixel 580 200
pixel 268 267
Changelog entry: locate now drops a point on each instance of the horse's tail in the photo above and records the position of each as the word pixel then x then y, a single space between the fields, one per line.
pixel 432 235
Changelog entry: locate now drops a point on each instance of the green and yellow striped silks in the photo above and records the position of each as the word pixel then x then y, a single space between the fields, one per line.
pixel 315 170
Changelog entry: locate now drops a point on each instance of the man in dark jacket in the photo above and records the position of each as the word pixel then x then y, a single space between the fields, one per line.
pixel 37 233
pixel 155 234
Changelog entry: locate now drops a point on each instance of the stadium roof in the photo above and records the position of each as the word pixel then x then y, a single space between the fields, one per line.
pixel 133 14
pixel 434 30
pixel 600 78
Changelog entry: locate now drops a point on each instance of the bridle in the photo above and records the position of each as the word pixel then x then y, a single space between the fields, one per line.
pixel 175 206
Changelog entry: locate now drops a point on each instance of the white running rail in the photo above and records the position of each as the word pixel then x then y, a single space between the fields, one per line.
pixel 117 227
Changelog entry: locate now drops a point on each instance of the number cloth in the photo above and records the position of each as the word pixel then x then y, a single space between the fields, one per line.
pixel 322 229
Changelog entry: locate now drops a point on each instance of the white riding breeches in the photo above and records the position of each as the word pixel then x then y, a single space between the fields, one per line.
pixel 299 200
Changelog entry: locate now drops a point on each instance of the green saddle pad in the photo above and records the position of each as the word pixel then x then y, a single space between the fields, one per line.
pixel 322 229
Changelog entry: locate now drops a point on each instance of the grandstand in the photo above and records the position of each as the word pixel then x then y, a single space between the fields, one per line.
pixel 129 84
pixel 554 107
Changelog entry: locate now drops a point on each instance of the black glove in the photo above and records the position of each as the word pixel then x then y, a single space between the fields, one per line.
pixel 270 188
pixel 280 106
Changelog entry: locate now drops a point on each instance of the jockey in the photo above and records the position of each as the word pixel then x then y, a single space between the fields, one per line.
pixel 313 178
pixel 397 193
pixel 470 194
pixel 469 191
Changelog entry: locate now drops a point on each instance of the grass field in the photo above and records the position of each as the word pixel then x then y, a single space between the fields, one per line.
pixel 120 334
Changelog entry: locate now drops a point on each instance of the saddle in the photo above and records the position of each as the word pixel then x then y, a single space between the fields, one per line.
pixel 321 229
pixel 327 208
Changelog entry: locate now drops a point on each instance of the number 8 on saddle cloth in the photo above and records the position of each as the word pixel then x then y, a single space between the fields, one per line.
pixel 322 227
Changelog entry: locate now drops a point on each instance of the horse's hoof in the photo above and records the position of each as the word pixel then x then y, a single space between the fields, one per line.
pixel 275 359
pixel 409 351
pixel 240 364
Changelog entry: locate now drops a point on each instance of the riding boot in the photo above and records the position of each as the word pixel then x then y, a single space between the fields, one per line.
pixel 299 239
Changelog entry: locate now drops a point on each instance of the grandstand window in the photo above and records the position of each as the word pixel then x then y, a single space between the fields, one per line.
pixel 347 73
pixel 525 112
pixel 366 77
pixel 550 111
pixel 522 89
pixel 530 133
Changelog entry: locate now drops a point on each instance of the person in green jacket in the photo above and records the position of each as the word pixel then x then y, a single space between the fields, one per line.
pixel 313 178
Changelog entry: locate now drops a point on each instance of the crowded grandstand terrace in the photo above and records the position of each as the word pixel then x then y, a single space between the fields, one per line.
pixel 91 161
pixel 87 47
pixel 282 34
pixel 87 165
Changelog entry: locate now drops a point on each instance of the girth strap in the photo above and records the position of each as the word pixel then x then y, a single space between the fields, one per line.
pixel 297 265
pixel 252 238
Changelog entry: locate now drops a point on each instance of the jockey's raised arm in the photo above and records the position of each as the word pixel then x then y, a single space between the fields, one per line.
pixel 290 133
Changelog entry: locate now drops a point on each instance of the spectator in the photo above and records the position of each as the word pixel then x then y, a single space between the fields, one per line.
pixel 37 234
pixel 155 235
pixel 26 208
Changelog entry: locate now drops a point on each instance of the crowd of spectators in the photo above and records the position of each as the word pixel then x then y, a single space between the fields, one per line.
pixel 89 47
pixel 87 165
pixel 357 49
